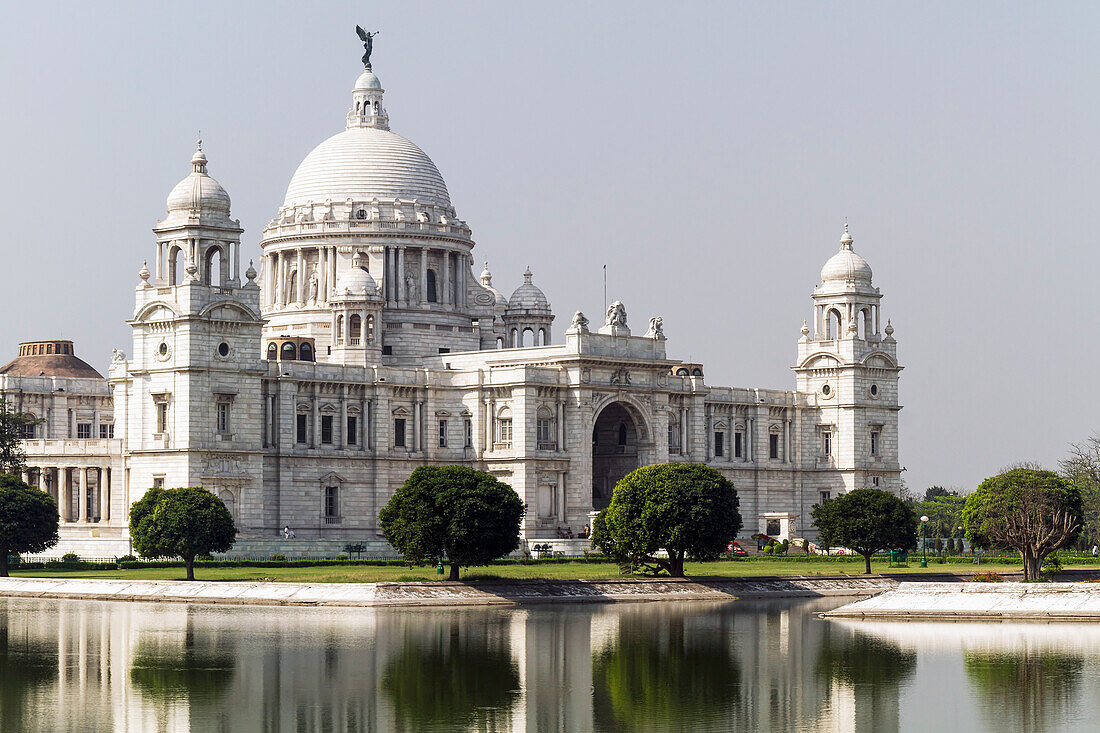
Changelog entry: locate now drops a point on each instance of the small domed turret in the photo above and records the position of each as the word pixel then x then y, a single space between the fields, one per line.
pixel 846 266
pixel 527 298
pixel 198 194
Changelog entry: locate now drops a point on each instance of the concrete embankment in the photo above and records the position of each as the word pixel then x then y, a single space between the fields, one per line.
pixel 480 593
pixel 985 601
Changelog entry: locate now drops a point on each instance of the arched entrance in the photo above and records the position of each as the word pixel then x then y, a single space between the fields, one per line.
pixel 617 439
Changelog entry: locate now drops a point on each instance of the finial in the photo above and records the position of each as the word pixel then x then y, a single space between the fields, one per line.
pixel 486 276
pixel 250 273
pixel 144 273
pixel 527 275
pixel 846 238
pixel 889 328
pixel 805 329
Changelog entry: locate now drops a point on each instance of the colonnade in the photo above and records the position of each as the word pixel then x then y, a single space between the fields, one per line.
pixel 89 484
pixel 411 276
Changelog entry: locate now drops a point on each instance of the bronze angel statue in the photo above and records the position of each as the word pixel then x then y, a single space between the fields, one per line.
pixel 368 44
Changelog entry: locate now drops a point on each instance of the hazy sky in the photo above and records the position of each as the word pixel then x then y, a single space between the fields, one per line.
pixel 708 153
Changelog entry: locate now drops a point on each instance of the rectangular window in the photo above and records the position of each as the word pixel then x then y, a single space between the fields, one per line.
pixel 301 428
pixel 874 442
pixel 162 417
pixel 545 431
pixel 326 429
pixel 825 496
pixel 444 350
pixel 504 428
pixel 468 428
pixel 738 445
pixel 719 444
pixel 387 351
pixel 353 430
pixel 83 430
pixel 107 430
pixel 399 432
pixel 158 482
pixel 874 481
pixel 673 438
pixel 826 443
pixel 442 433
pixel 773 446
pixel 27 430
pixel 223 417
pixel 332 502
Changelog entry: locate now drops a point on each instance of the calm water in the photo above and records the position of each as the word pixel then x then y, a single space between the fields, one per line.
pixel 744 666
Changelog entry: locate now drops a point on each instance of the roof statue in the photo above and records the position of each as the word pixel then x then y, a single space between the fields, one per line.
pixel 368 44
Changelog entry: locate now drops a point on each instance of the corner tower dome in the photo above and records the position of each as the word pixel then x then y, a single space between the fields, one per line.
pixel 367 161
pixel 198 193
pixel 846 267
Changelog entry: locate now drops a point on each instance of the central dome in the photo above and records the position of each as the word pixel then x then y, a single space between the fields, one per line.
pixel 363 163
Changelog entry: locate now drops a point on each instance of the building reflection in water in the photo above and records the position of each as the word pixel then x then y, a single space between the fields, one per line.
pixel 746 666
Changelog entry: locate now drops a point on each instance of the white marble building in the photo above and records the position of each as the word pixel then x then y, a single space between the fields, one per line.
pixel 305 393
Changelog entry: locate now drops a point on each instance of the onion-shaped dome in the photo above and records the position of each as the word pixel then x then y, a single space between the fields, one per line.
pixel 846 266
pixel 356 282
pixel 527 298
pixel 198 192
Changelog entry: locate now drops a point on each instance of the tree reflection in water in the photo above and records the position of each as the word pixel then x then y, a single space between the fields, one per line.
pixel 1027 690
pixel 27 661
pixel 454 677
pixel 193 667
pixel 862 677
pixel 664 672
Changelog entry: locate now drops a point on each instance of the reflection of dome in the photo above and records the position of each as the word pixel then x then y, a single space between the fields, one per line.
pixel 364 163
pixel 199 192
pixel 846 265
pixel 528 298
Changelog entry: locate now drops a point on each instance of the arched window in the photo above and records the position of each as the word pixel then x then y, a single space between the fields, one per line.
pixel 355 329
pixel 500 342
pixel 306 352
pixel 213 264
pixel 339 329
pixel 292 287
pixel 370 329
pixel 832 324
pixel 864 323
pixel 515 337
pixel 287 353
pixel 272 351
pixel 432 297
pixel 175 252
pixel 542 337
pixel 528 337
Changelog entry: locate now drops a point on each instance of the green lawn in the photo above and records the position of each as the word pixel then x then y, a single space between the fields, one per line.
pixel 369 573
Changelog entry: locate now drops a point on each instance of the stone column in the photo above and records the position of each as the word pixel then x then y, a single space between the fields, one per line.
pixel 446 283
pixel 322 274
pixel 236 261
pixel 400 279
pixel 301 276
pixel 424 276
pixel 82 501
pixel 414 444
pixel 42 486
pixel 107 497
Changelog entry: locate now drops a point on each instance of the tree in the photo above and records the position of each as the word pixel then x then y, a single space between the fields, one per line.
pixel 456 512
pixel 936 492
pixel 13 426
pixel 185 522
pixel 685 509
pixel 867 521
pixel 1082 467
pixel 28 519
pixel 1030 510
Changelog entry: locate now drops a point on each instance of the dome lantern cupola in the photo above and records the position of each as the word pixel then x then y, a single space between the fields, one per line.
pixel 528 312
pixel 366 103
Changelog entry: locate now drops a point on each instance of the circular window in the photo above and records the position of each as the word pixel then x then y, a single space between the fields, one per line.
pixel 223 349
pixel 826 390
pixel 874 390
pixel 163 349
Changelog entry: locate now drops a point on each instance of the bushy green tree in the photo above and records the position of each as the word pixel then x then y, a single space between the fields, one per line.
pixel 456 512
pixel 13 426
pixel 28 519
pixel 867 521
pixel 185 522
pixel 1082 467
pixel 686 509
pixel 1030 510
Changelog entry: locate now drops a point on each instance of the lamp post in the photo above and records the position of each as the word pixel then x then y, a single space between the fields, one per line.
pixel 923 542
